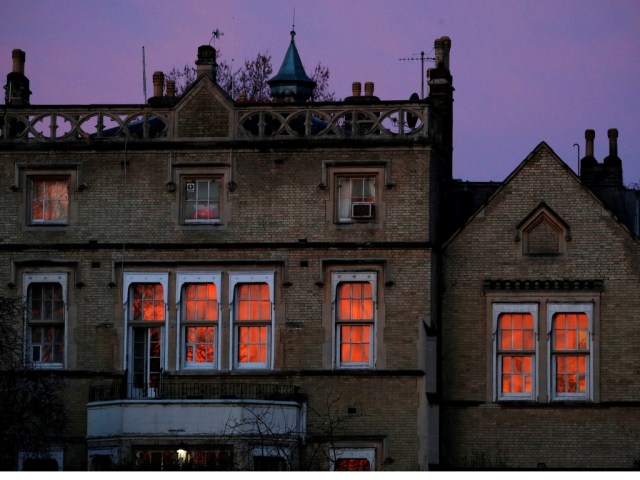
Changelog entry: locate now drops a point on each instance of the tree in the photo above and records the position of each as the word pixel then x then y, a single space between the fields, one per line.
pixel 321 93
pixel 31 406
pixel 250 81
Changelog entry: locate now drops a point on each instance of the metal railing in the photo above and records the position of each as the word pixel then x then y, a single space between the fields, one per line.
pixel 175 390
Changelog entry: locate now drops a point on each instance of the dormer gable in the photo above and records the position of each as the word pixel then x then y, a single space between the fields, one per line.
pixel 204 111
pixel 543 234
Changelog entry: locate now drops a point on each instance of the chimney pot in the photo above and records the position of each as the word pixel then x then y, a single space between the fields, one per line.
pixel 589 136
pixel 613 159
pixel 158 84
pixel 171 88
pixel 18 57
pixel 356 89
pixel 368 89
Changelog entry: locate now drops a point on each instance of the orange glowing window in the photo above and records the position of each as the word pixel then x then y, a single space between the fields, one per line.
pixel 202 200
pixel 49 200
pixel 570 353
pixel 201 302
pixel 200 307
pixel 253 323
pixel 353 465
pixel 354 321
pixel 147 302
pixel 516 354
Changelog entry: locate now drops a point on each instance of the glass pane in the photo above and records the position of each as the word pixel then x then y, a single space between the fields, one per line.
pixel 50 200
pixel 516 331
pixel 516 373
pixel 570 331
pixel 148 302
pixel 200 340
pixel 355 301
pixel 355 345
pixel 252 345
pixel 253 302
pixel 202 200
pixel 353 465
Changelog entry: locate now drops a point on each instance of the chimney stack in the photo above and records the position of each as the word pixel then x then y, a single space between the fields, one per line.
pixel 17 88
pixel 206 62
pixel 158 84
pixel 606 174
pixel 441 96
pixel 356 89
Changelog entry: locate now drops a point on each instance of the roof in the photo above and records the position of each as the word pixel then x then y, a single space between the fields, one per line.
pixel 291 68
pixel 292 81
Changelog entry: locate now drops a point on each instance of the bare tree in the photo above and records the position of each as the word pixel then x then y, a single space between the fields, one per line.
pixel 321 93
pixel 250 81
pixel 32 411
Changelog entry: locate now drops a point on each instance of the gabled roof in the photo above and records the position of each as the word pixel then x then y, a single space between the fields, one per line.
pixel 540 148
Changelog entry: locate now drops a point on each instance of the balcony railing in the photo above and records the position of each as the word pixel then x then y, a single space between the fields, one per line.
pixel 131 123
pixel 170 390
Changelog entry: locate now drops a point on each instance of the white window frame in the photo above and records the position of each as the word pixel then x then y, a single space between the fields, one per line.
pixel 186 278
pixel 338 278
pixel 341 179
pixel 184 181
pixel 236 278
pixel 497 310
pixel 368 453
pixel 131 278
pixel 60 278
pixel 552 309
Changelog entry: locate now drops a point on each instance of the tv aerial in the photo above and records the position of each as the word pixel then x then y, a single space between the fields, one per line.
pixel 414 57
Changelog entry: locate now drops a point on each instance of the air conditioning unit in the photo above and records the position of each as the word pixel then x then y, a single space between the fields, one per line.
pixel 363 210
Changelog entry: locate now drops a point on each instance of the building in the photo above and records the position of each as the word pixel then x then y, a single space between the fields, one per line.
pixel 229 285
pixel 539 320
pixel 294 285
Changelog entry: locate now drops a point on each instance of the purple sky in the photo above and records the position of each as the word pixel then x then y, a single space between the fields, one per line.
pixel 524 71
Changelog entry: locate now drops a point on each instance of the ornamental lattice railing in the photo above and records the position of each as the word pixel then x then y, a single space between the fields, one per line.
pixel 119 123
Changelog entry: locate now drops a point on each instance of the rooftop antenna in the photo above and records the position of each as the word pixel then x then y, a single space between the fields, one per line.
pixel 422 58
pixel 144 76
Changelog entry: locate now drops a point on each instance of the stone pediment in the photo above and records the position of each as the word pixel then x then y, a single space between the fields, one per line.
pixel 204 111
pixel 543 233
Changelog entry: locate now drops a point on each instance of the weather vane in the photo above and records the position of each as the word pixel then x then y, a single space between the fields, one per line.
pixel 217 33
pixel 422 58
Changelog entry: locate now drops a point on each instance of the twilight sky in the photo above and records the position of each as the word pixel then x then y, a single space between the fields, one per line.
pixel 524 71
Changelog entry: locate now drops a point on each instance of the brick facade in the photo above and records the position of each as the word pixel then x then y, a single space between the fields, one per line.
pixel 278 214
pixel 480 432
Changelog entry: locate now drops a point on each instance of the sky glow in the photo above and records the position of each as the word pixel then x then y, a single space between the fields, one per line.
pixel 524 71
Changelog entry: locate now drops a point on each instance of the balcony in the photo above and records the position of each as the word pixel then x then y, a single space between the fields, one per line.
pixel 171 390
pixel 188 410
